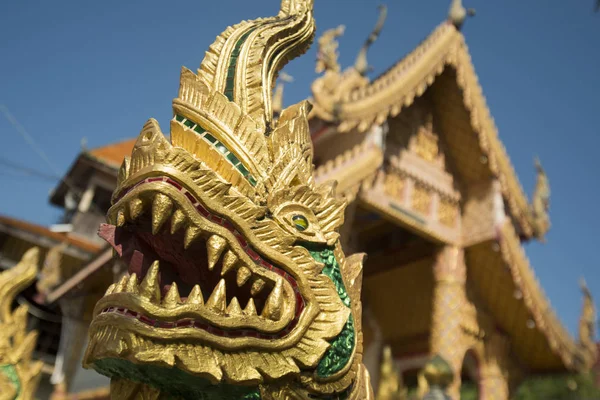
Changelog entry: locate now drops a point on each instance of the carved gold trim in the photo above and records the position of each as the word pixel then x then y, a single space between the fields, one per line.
pixel 421 199
pixel 361 107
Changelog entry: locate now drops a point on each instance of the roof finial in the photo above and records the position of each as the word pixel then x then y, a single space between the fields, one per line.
pixel 277 102
pixel 327 56
pixel 361 64
pixel 587 320
pixel 458 13
pixel 541 202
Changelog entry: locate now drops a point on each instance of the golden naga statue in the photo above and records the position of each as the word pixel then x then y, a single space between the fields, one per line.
pixel 238 287
pixel 541 202
pixel 19 376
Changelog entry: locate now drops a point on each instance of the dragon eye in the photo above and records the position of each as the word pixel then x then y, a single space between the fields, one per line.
pixel 300 222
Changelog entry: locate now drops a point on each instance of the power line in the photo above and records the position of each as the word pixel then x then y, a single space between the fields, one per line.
pixel 27 170
pixel 31 142
pixel 21 130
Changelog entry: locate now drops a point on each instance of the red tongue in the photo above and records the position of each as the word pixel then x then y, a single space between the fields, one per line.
pixel 135 253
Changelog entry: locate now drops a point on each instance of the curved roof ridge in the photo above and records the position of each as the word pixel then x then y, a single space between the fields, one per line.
pixel 535 299
pixel 400 85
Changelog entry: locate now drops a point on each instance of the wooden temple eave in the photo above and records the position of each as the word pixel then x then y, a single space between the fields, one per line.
pixel 77 281
pixel 500 273
pixel 79 249
pixel 396 89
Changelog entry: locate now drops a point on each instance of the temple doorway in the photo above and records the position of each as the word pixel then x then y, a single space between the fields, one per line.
pixel 469 376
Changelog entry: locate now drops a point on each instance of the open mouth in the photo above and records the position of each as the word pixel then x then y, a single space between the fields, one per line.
pixel 189 268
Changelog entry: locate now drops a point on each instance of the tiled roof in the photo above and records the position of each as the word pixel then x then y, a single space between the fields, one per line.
pixel 113 154
pixel 43 231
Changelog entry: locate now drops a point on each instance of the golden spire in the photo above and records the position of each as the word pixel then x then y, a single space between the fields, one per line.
pixel 390 380
pixel 458 13
pixel 587 321
pixel 361 64
pixel 541 202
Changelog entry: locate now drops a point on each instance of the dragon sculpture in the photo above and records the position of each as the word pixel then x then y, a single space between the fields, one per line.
pixel 238 287
pixel 19 375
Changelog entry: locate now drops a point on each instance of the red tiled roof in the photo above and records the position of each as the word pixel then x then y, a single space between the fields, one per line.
pixel 43 231
pixel 113 154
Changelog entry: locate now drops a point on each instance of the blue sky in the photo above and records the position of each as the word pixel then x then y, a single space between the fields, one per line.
pixel 98 70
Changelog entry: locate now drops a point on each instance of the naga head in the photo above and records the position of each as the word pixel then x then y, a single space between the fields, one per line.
pixel 237 284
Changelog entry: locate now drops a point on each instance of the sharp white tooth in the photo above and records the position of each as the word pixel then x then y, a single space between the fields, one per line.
pixel 110 289
pixel 214 248
pixel 122 284
pixel 243 274
pixel 161 211
pixel 172 298
pixel 217 300
pixel 234 308
pixel 136 206
pixel 257 286
pixel 191 234
pixel 250 309
pixel 195 296
pixel 132 286
pixel 229 260
pixel 274 305
pixel 120 217
pixel 149 288
pixel 177 221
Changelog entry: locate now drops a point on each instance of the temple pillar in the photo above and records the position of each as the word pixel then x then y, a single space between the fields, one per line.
pixel 495 371
pixel 72 341
pixel 449 295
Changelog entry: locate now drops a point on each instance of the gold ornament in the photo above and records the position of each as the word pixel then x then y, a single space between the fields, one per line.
pixel 19 376
pixel 238 287
pixel 390 380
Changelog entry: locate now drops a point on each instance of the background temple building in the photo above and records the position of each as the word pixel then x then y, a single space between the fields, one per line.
pixel 433 200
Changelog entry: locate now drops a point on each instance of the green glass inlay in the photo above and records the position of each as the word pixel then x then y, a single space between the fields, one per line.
pixel 243 170
pixel 219 146
pixel 234 160
pixel 229 82
pixel 300 222
pixel 210 138
pixel 11 373
pixel 342 346
pixel 177 383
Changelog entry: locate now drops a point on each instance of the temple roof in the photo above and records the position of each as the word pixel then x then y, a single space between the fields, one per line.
pixel 343 104
pixel 114 153
pixel 444 52
pixel 43 231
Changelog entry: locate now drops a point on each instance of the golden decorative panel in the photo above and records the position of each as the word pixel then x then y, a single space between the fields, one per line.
pixel 426 145
pixel 447 212
pixel 421 199
pixel 394 186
